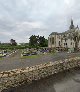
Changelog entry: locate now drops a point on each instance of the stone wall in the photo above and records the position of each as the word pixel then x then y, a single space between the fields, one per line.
pixel 18 77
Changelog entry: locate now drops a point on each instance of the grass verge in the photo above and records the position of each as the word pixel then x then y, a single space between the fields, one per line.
pixel 37 56
pixel 32 56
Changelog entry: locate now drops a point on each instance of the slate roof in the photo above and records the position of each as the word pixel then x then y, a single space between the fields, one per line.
pixel 54 33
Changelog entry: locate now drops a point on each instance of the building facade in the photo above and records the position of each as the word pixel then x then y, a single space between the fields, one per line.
pixel 67 39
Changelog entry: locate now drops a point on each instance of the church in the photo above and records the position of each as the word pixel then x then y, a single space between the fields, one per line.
pixel 67 39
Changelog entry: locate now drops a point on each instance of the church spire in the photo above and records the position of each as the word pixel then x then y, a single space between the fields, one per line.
pixel 72 24
pixel 71 21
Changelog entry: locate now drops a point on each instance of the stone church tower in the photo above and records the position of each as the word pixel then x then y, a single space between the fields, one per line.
pixel 64 39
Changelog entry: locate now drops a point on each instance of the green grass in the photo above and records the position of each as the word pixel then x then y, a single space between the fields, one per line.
pixel 1 58
pixel 32 56
pixel 37 56
pixel 53 53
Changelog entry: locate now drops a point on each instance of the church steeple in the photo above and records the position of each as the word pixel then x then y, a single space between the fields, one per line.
pixel 72 24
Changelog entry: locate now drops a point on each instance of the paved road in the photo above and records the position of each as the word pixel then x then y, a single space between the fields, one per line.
pixel 15 61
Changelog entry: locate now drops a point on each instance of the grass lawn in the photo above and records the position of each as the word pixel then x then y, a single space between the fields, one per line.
pixel 1 58
pixel 37 56
pixel 32 56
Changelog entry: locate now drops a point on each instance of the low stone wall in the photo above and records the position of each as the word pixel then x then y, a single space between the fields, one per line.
pixel 18 77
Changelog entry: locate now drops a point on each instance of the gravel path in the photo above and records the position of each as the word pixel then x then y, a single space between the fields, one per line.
pixel 15 61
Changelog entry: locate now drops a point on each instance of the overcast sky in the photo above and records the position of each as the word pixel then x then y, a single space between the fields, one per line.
pixel 19 19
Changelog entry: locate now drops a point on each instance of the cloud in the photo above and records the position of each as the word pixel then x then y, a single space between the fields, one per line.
pixel 19 19
pixel 30 24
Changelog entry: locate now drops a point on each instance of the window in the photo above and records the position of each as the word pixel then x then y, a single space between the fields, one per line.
pixel 71 43
pixel 59 36
pixel 65 39
pixel 52 40
pixel 64 44
pixel 59 43
pixel 71 39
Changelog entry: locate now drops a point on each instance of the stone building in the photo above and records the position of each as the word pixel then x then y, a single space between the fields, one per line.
pixel 64 39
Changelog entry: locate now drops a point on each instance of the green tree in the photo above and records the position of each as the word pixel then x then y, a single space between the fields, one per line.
pixel 42 41
pixel 38 41
pixel 13 42
pixel 33 41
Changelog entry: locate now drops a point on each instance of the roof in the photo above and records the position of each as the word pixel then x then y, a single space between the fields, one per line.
pixel 54 33
pixel 63 33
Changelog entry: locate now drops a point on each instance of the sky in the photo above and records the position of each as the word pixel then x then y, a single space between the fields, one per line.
pixel 19 19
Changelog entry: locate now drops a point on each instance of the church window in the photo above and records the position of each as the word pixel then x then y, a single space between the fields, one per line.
pixel 64 44
pixel 59 43
pixel 65 40
pixel 59 36
pixel 69 35
pixel 52 40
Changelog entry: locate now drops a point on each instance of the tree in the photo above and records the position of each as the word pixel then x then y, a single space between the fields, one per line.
pixel 33 41
pixel 38 41
pixel 46 43
pixel 13 42
pixel 43 42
